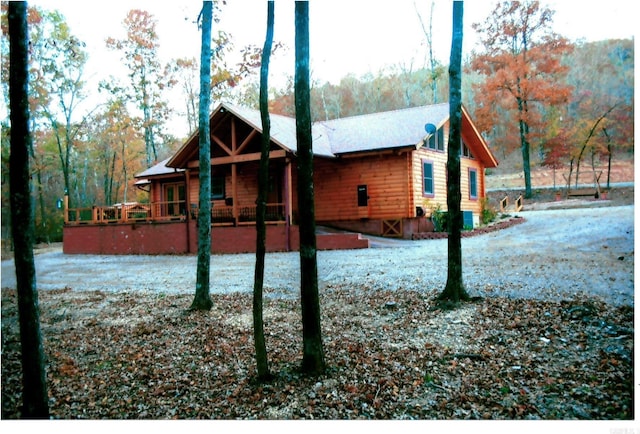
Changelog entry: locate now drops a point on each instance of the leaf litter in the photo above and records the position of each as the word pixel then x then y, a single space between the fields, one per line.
pixel 390 355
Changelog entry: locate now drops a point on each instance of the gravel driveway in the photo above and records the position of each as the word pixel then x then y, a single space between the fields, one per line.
pixel 555 254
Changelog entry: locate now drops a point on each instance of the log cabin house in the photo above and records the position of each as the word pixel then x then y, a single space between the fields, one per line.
pixel 380 174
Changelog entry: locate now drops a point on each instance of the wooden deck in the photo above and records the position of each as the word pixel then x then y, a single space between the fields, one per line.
pixel 169 211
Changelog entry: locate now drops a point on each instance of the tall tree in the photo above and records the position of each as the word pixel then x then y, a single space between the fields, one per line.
pixel 434 68
pixel 313 352
pixel 34 392
pixel 148 78
pixel 261 209
pixel 116 147
pixel 57 65
pixel 522 68
pixel 454 289
pixel 202 299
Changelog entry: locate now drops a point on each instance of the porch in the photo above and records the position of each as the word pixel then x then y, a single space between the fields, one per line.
pixel 179 235
pixel 133 212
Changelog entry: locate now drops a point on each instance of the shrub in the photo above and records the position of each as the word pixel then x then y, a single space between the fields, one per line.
pixel 439 219
pixel 488 212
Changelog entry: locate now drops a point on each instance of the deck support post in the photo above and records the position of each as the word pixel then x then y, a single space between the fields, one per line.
pixel 287 201
pixel 66 208
pixel 234 192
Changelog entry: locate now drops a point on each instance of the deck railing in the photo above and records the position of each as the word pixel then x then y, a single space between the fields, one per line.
pixel 168 211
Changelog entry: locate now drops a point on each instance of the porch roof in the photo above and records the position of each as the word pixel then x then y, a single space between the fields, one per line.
pixel 160 168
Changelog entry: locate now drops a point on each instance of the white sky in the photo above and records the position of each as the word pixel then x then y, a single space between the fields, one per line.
pixel 347 36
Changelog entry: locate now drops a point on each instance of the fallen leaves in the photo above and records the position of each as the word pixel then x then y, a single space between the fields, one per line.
pixel 130 355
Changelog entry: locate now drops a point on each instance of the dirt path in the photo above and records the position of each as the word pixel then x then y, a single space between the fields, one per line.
pixel 621 171
pixel 555 254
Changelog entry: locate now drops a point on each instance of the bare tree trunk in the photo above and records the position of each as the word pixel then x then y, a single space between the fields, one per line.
pixel 526 160
pixel 262 361
pixel 34 380
pixel 591 133
pixel 609 155
pixel 202 299
pixel 432 61
pixel 454 289
pixel 313 353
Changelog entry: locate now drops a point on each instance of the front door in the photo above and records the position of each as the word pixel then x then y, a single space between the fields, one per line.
pixel 274 196
pixel 174 197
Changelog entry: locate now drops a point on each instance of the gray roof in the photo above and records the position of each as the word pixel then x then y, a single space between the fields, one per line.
pixel 386 130
pixel 373 132
pixel 158 169
pixel 283 130
pixel 376 131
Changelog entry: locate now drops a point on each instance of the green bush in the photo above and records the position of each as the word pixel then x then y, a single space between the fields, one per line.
pixel 488 213
pixel 439 219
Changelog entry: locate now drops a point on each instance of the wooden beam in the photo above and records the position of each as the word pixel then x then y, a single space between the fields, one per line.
pixel 221 144
pixel 233 136
pixel 243 158
pixel 245 142
pixel 379 153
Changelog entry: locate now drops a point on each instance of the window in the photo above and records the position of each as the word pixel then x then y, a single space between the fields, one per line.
pixel 217 187
pixel 473 184
pixel 436 141
pixel 465 151
pixel 441 139
pixel 427 178
pixel 432 141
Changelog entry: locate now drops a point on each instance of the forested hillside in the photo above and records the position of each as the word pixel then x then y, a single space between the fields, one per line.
pixel 600 75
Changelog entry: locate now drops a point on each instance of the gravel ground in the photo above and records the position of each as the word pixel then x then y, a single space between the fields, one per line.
pixel 554 255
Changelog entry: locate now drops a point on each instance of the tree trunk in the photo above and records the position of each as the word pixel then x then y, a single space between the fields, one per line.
pixel 262 361
pixel 609 155
pixel 524 146
pixel 202 299
pixel 591 133
pixel 313 353
pixel 34 393
pixel 454 289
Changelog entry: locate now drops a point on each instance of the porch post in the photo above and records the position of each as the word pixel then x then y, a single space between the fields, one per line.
pixel 287 200
pixel 66 208
pixel 187 206
pixel 234 191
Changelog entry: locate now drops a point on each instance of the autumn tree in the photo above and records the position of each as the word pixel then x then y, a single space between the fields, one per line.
pixel 147 78
pixel 226 76
pixel 223 79
pixel 202 299
pixel 313 352
pixel 601 78
pixel 34 391
pixel 187 70
pixel 261 208
pixel 58 60
pixel 454 289
pixel 394 87
pixel 555 144
pixel 116 148
pixel 522 66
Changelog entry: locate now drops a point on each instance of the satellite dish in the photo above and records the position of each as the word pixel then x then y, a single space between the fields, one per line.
pixel 430 128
